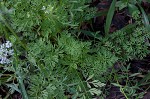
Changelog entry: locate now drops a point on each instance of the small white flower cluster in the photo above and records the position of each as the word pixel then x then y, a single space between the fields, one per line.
pixel 47 9
pixel 5 52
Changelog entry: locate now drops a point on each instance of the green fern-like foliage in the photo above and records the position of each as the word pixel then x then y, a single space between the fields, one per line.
pixel 69 55
pixel 46 87
pixel 99 62
pixel 46 18
pixel 127 46
pixel 57 61
pixel 74 51
pixel 45 53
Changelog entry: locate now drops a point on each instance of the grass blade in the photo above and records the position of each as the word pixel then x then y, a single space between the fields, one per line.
pixel 145 18
pixel 129 27
pixel 101 13
pixel 91 34
pixel 109 16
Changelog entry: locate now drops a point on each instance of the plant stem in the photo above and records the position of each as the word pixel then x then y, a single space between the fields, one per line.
pixel 22 87
pixel 12 31
pixel 19 77
pixel 81 83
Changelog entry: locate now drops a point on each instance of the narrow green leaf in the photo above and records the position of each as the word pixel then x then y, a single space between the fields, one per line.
pixel 121 4
pixel 88 85
pixel 145 79
pixel 115 84
pixel 129 27
pixel 132 8
pixel 90 77
pixel 101 13
pixel 145 18
pixel 135 74
pixel 110 16
pixel 14 87
pixel 95 91
pixel 91 34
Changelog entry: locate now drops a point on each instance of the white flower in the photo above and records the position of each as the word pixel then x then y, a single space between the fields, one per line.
pixel 43 8
pixel 48 9
pixel 8 44
pixel 5 52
